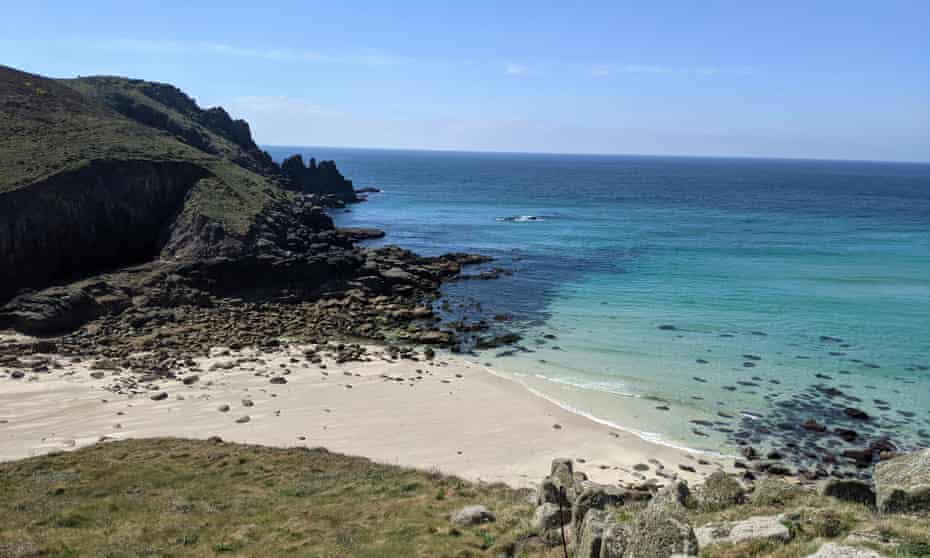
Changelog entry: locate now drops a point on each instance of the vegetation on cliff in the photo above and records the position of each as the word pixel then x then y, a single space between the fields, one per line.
pixel 101 172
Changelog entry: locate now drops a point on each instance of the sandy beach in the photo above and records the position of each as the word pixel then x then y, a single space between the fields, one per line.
pixel 448 414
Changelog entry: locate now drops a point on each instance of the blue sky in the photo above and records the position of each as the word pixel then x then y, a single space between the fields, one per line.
pixel 845 79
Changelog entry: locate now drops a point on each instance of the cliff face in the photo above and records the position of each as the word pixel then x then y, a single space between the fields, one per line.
pixel 98 173
pixel 103 215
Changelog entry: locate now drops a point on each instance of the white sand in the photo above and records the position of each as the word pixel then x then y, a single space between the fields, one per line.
pixel 458 418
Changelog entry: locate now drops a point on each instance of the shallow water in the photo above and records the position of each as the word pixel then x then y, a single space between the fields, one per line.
pixel 681 289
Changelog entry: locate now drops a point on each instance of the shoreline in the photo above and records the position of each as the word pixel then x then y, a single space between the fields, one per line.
pixel 647 437
pixel 449 414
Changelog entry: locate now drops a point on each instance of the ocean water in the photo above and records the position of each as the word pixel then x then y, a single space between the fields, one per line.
pixel 703 302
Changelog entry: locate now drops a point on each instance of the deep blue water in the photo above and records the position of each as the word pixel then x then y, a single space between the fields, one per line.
pixel 819 271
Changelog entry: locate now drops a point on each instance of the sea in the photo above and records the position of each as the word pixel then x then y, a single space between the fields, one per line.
pixel 705 303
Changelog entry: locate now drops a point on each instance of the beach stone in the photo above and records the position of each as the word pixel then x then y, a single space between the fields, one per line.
pixel 720 491
pixel 590 534
pixel 190 380
pixel 902 484
pixel 223 408
pixel 754 528
pixel 473 515
pixel 833 550
pixel 849 490
pixel 160 396
pixel 595 496
pixel 278 380
pixel 659 533
pixel 550 516
pixel 243 419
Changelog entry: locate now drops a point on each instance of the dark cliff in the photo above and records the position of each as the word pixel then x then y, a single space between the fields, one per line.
pixel 98 173
pixel 322 178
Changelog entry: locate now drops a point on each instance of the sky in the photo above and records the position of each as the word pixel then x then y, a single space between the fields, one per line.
pixel 843 79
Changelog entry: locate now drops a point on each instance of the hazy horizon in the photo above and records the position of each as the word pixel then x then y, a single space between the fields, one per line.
pixel 831 80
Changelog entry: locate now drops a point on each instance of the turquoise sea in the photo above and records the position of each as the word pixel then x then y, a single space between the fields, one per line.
pixel 703 302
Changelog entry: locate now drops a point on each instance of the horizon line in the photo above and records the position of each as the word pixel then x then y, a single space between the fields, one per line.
pixel 606 154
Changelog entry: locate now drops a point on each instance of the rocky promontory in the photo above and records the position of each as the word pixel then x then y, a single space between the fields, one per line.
pixel 124 204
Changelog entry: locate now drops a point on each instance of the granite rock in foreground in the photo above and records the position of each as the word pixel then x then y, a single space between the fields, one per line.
pixel 902 484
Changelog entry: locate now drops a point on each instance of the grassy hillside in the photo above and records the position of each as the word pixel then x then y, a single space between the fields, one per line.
pixel 168 497
pixel 173 497
pixel 48 127
pixel 167 108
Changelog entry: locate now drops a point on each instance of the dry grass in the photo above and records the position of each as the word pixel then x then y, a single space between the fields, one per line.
pixel 170 497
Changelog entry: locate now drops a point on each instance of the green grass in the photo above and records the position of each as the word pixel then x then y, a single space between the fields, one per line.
pixel 169 497
pixel 821 520
pixel 172 497
pixel 49 127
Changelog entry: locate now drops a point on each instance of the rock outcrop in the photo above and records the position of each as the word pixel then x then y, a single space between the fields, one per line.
pixel 833 550
pixel 323 178
pixel 472 515
pixel 101 173
pixel 849 490
pixel 902 484
pixel 103 215
pixel 754 528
